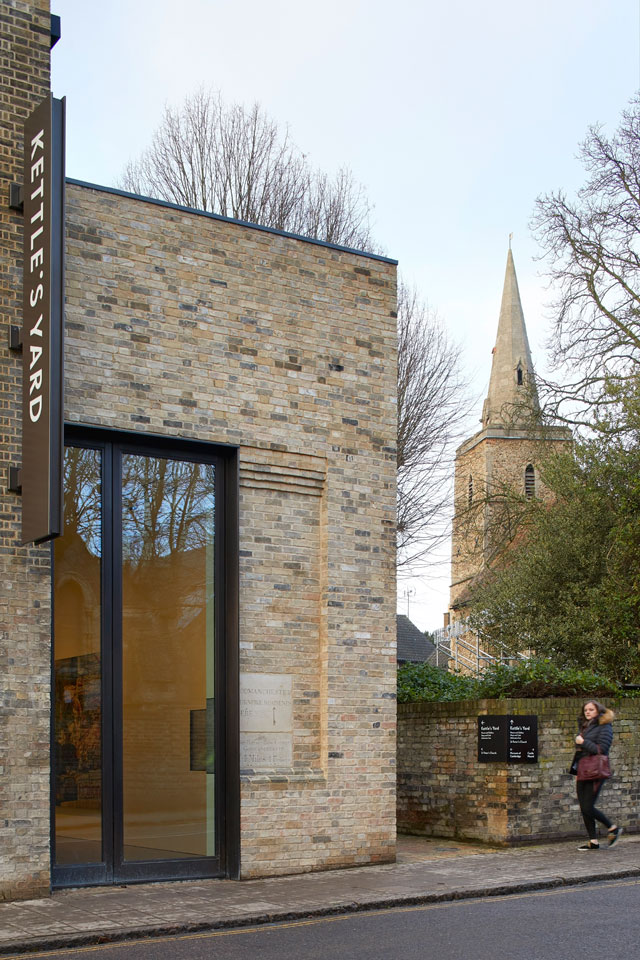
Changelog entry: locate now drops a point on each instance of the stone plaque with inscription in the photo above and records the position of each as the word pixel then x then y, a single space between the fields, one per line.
pixel 266 721
pixel 265 751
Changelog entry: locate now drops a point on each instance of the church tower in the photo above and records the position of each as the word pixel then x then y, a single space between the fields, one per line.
pixel 498 465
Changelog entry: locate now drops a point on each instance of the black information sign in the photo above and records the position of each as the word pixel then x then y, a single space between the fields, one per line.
pixel 43 322
pixel 508 739
pixel 492 739
pixel 523 739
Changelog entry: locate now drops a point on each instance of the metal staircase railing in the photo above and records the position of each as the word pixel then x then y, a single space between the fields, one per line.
pixel 461 647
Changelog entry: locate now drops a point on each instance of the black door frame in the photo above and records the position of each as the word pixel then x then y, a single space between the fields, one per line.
pixel 112 445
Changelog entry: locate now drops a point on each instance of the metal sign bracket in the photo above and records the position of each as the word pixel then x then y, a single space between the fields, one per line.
pixel 15 480
pixel 15 337
pixel 16 197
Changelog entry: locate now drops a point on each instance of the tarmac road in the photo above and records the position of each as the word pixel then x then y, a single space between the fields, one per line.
pixel 569 923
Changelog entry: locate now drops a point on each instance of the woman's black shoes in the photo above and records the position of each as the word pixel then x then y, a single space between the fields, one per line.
pixel 613 835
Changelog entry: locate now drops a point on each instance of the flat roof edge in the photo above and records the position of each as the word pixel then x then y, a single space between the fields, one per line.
pixel 241 223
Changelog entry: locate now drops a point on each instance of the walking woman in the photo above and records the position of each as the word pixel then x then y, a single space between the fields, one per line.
pixel 595 736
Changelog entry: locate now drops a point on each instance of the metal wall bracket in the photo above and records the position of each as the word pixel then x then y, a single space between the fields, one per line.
pixel 15 480
pixel 16 197
pixel 56 30
pixel 15 337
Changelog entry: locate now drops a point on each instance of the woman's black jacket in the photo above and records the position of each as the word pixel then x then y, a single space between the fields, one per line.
pixel 599 733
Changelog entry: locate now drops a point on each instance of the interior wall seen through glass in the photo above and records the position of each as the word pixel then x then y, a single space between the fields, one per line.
pixel 167 658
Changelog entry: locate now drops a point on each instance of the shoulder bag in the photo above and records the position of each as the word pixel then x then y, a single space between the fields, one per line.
pixel 594 766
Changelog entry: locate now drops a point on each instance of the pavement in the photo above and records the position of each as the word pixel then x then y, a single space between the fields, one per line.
pixel 426 871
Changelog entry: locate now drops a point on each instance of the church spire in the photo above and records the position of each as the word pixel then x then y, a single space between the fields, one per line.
pixel 512 395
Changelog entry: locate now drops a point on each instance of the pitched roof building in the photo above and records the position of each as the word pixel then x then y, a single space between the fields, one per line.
pixel 413 644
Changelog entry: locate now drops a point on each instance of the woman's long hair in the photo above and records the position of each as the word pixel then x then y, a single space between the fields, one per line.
pixel 583 723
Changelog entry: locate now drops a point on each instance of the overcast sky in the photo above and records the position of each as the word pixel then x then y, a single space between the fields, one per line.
pixel 455 116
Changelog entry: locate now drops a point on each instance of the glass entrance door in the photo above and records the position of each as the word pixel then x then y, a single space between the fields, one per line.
pixel 77 675
pixel 167 658
pixel 135 668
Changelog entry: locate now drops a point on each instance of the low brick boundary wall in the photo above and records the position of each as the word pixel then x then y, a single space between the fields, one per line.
pixel 444 792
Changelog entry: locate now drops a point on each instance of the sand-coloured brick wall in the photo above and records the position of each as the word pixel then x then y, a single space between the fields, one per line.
pixel 187 325
pixel 25 579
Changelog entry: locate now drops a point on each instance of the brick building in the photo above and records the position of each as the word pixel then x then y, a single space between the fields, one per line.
pixel 197 676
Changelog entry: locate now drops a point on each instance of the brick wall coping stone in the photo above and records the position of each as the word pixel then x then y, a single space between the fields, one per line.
pixel 539 705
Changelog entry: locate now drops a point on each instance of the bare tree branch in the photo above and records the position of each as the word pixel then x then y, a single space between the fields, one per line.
pixel 432 406
pixel 237 162
pixel 593 247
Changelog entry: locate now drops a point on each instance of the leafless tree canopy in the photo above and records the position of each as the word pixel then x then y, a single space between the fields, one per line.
pixel 432 406
pixel 167 505
pixel 593 246
pixel 237 162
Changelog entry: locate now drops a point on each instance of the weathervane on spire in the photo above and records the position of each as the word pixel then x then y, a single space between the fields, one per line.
pixel 510 239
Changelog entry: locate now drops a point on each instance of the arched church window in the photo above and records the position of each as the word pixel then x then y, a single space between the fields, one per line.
pixel 519 376
pixel 529 482
pixel 470 490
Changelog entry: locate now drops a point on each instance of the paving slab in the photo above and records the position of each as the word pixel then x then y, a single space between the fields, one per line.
pixel 426 871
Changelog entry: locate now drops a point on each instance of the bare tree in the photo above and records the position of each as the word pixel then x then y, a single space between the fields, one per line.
pixel 433 404
pixel 237 162
pixel 593 245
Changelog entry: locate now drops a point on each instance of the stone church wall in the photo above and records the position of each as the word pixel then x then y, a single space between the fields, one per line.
pixel 468 546
pixel 495 462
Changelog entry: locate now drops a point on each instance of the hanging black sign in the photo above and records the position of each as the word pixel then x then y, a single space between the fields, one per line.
pixel 43 322
pixel 508 739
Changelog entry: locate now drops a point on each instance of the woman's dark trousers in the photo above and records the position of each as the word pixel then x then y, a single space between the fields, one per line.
pixel 588 791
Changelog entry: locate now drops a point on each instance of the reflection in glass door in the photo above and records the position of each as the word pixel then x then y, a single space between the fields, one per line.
pixel 77 673
pixel 167 658
pixel 134 668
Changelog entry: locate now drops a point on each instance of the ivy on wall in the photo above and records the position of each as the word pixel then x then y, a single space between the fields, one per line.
pixel 533 678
